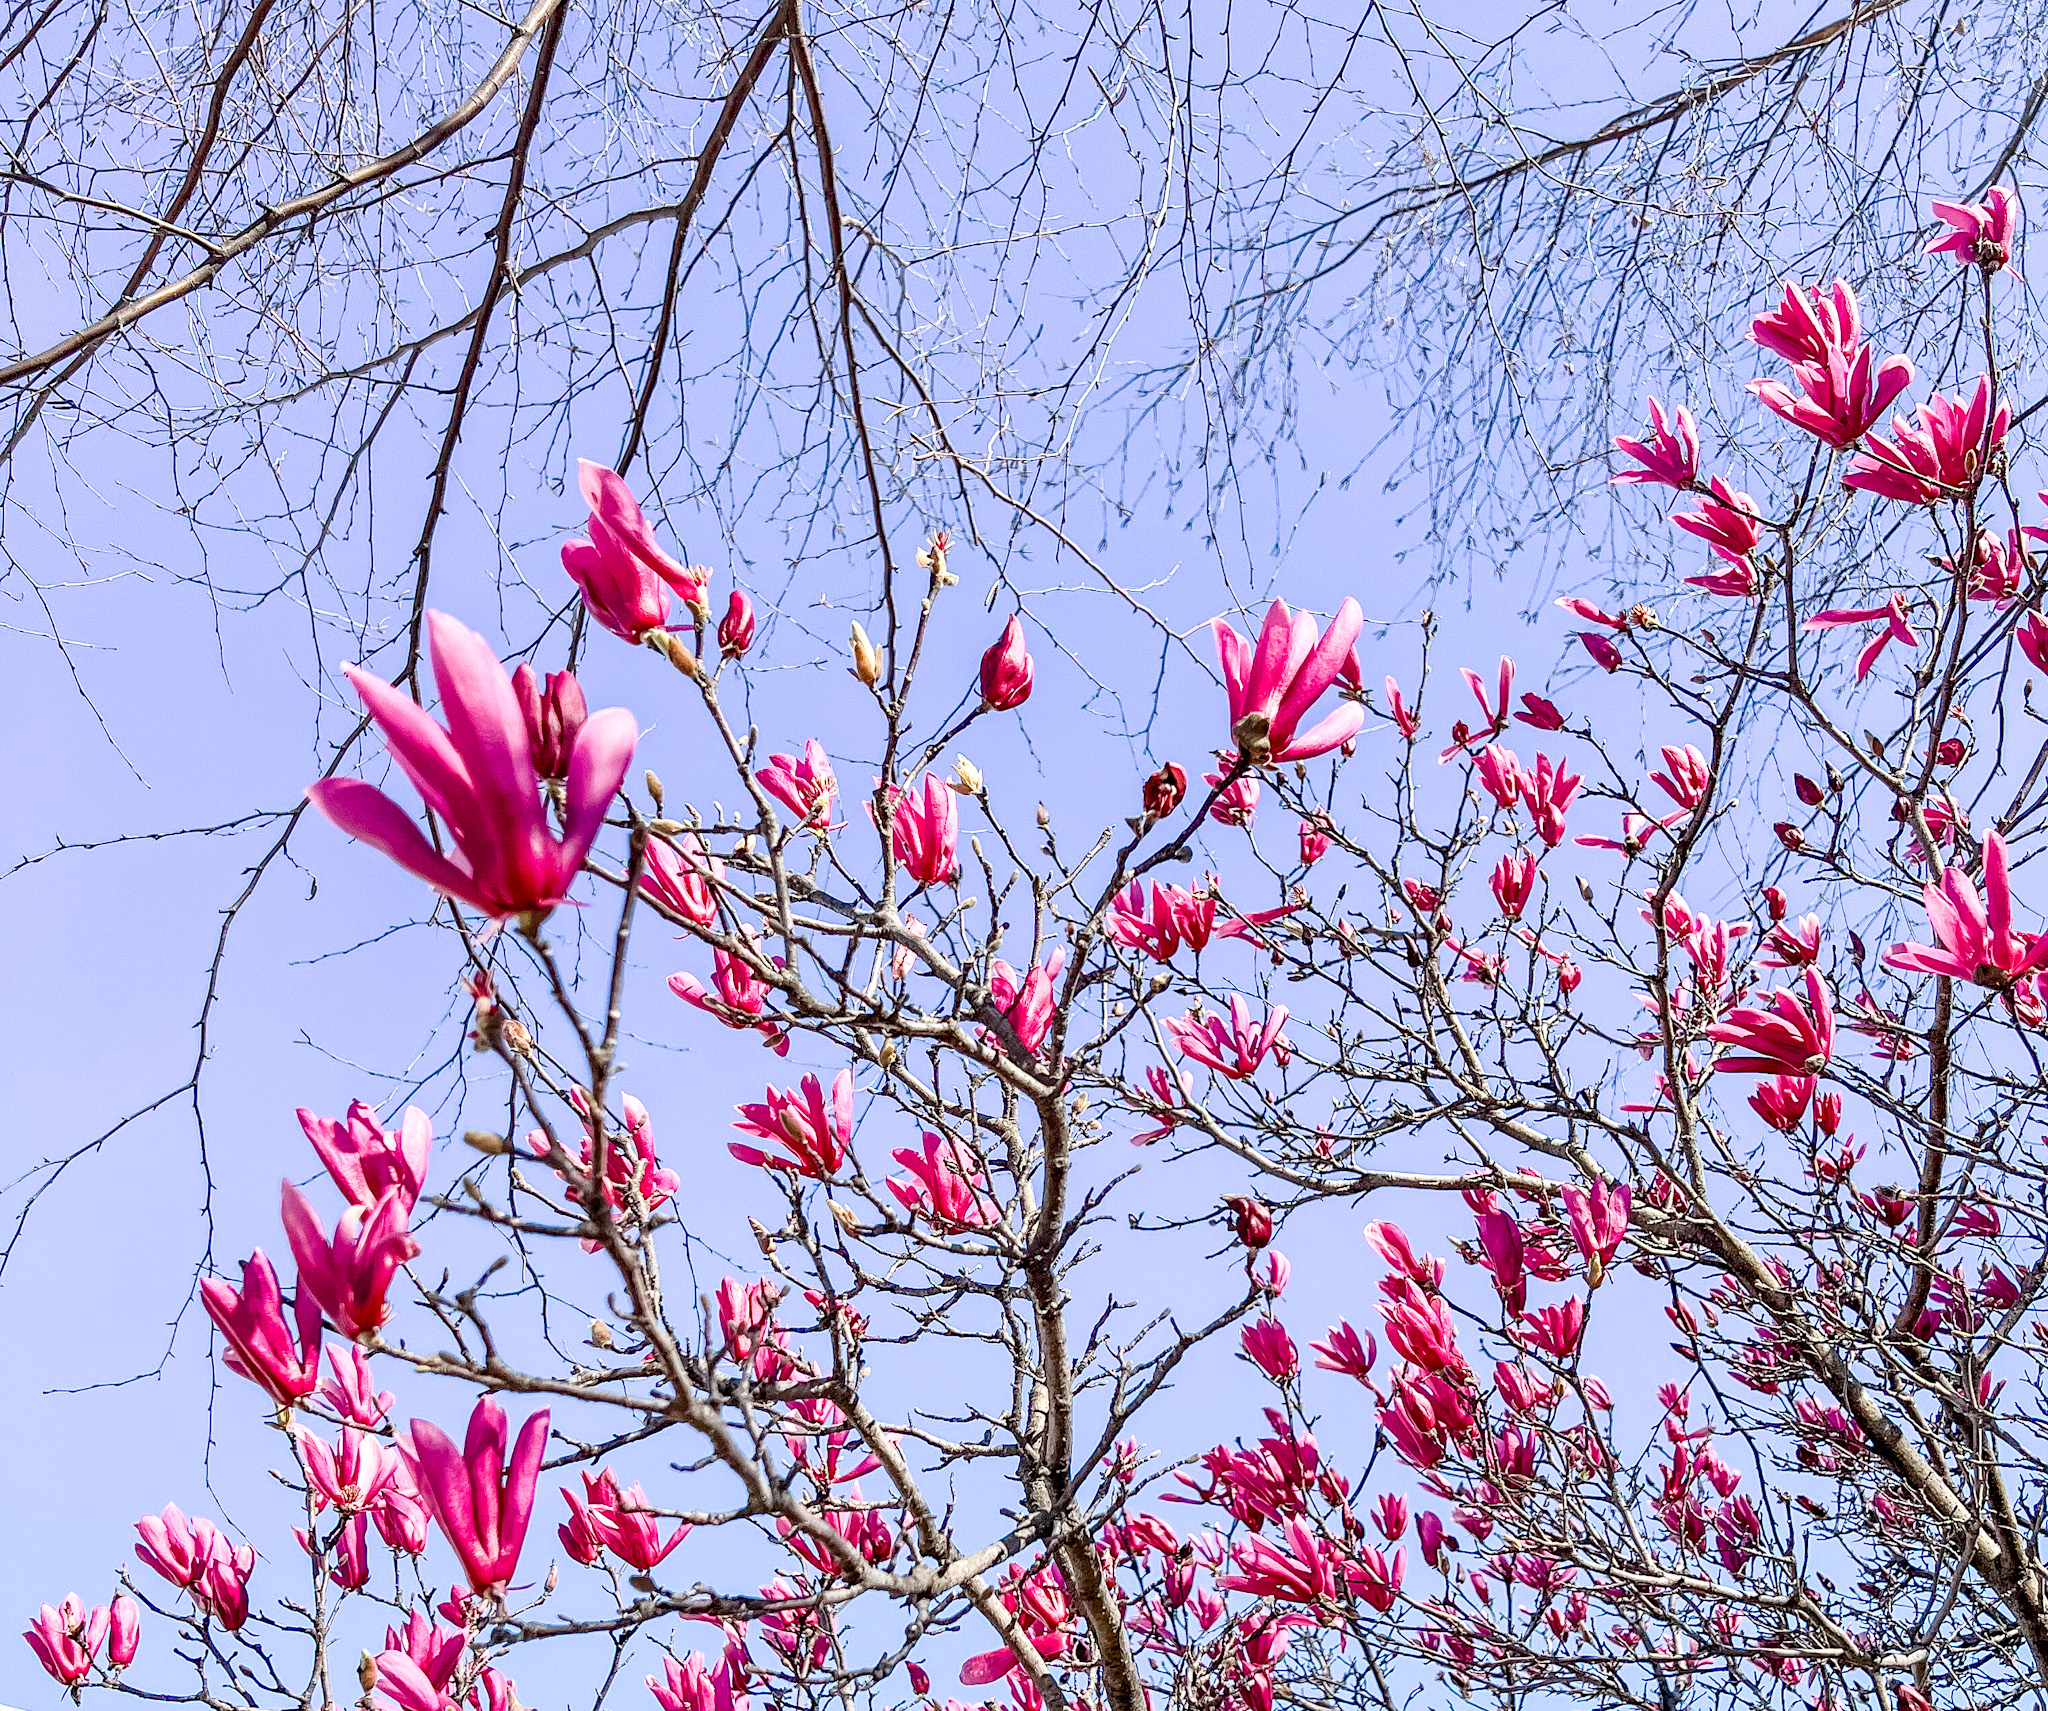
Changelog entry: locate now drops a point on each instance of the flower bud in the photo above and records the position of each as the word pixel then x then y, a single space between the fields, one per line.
pixel 484 1141
pixel 968 776
pixel 867 664
pixel 672 648
pixel 1164 790
pixel 736 630
pixel 1006 670
pixel 1251 1219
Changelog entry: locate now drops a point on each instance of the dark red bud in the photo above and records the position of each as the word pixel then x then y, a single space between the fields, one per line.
pixel 1251 1220
pixel 1790 835
pixel 1164 789
pixel 1809 792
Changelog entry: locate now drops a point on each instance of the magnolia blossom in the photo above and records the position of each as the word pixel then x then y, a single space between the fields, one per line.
pixel 804 786
pixel 352 1392
pixel 736 628
pixel 947 1184
pixel 196 1556
pixel 1548 788
pixel 1672 456
pixel 554 716
pixel 351 1478
pixel 1941 457
pixel 478 775
pixel 924 831
pixel 1271 1349
pixel 741 998
pixel 366 1160
pixel 1975 934
pixel 1789 1038
pixel 351 1274
pixel 260 1346
pixel 815 1136
pixel 1027 1002
pixel 690 1686
pixel 1006 670
pixel 1598 1217
pixel 481 1498
pixel 1273 685
pixel 66 1639
pixel 1234 1048
pixel 1237 804
pixel 1892 615
pixel 1980 233
pixel 1727 522
pixel 1513 879
pixel 625 577
pixel 1686 778
pixel 683 876
pixel 1845 389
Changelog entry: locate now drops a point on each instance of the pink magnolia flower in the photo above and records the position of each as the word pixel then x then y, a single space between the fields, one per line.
pixel 1556 1329
pixel 1731 582
pixel 403 1686
pixel 196 1556
pixel 947 1184
pixel 1540 714
pixel 741 1000
pixel 1672 456
pixel 1238 805
pixel 1846 391
pixel 805 787
pixel 683 877
pixel 350 1275
pixel 815 1137
pixel 1500 771
pixel 1980 233
pixel 624 575
pixel 1272 686
pixel 629 1530
pixel 1235 1048
pixel 124 1630
pixel 478 776
pixel 1169 1095
pixel 353 1478
pixel 1975 935
pixel 1315 840
pixel 1549 789
pixel 1347 1351
pixel 259 1343
pixel 1309 1570
pixel 1790 1038
pixel 481 1500
pixel 352 1392
pixel 1793 946
pixel 1941 457
pixel 925 831
pixel 1687 776
pixel 66 1640
pixel 690 1686
pixel 1599 1221
pixel 1406 720
pixel 401 1516
pixel 635 1179
pixel 579 1537
pixel 1028 1004
pixel 554 716
pixel 1636 831
pixel 1390 1516
pixel 1896 628
pixel 1514 878
pixel 1605 654
pixel 1727 522
pixel 736 628
pixel 1006 670
pixel 1781 1101
pixel 366 1160
pixel 1271 1349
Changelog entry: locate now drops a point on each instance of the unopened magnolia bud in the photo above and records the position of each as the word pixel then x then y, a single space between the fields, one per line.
pixel 600 1334
pixel 674 650
pixel 887 1056
pixel 842 1217
pixel 762 1239
pixel 641 1583
pixel 969 776
pixel 654 789
pixel 1044 818
pixel 867 664
pixel 366 1671
pixel 485 1141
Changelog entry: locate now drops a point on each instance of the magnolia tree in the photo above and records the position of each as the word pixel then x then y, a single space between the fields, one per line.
pixel 1766 1106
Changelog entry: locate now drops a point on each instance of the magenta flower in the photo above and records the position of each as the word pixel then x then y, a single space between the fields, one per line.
pixel 1892 615
pixel 1513 879
pixel 351 1275
pixel 1790 1038
pixel 805 787
pixel 1271 1349
pixel 1315 840
pixel 481 1500
pixel 1599 1220
pixel 2033 639
pixel 478 776
pixel 352 1392
pixel 689 1686
pixel 1781 1101
pixel 1939 458
pixel 579 1537
pixel 1308 1571
pixel 66 1640
pixel 1549 789
pixel 631 1165
pixel 1686 778
pixel 814 1135
pixel 1238 805
pixel 403 1686
pixel 259 1341
pixel 1980 233
pixel 353 1478
pixel 1273 685
pixel 1556 1329
pixel 1540 714
pixel 124 1630
pixel 196 1556
pixel 947 1184
pixel 1672 456
pixel 629 1530
pixel 554 716
pixel 625 577
pixel 1821 335
pixel 1347 1351
pixel 366 1160
pixel 1028 1004
pixel 683 877
pixel 1406 720
pixel 1235 1048
pixel 1976 938
pixel 1727 522
pixel 741 1000
pixel 1501 772
pixel 1006 670
pixel 1732 582
pixel 736 628
pixel 925 831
